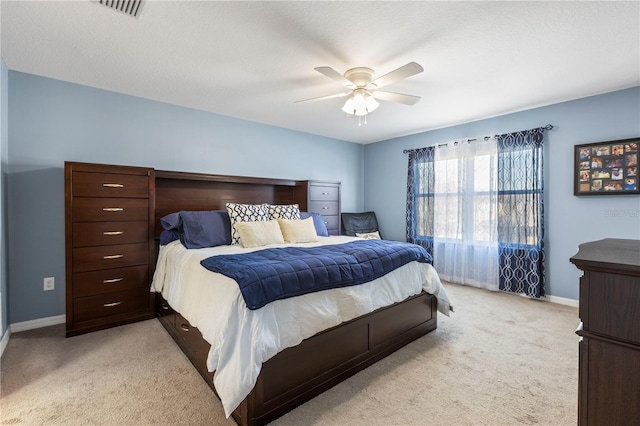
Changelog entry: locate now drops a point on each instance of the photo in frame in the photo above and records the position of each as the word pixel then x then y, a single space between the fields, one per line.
pixel 607 168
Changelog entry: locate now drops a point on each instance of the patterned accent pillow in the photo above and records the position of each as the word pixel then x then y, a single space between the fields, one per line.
pixel 245 213
pixel 284 211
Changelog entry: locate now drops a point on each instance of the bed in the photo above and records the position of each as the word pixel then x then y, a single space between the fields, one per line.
pixel 271 359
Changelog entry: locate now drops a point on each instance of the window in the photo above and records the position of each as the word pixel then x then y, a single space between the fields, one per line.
pixel 478 209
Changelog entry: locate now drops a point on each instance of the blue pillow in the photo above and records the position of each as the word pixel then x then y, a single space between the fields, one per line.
pixel 171 221
pixel 318 222
pixel 169 235
pixel 200 229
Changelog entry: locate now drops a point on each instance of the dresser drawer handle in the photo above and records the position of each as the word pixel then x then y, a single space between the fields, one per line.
pixel 112 304
pixel 113 256
pixel 184 327
pixel 112 233
pixel 326 223
pixel 112 280
pixel 325 193
pixel 112 209
pixel 325 208
pixel 113 185
pixel 165 306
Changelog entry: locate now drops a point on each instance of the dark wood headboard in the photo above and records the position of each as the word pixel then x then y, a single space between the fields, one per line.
pixel 175 191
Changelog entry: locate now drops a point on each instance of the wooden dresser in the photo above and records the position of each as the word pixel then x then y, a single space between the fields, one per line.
pixel 109 245
pixel 321 197
pixel 609 352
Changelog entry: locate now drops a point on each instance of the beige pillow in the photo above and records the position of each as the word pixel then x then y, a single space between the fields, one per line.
pixel 298 231
pixel 260 233
pixel 369 235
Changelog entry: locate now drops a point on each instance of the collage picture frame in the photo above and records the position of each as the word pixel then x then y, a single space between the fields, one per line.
pixel 607 168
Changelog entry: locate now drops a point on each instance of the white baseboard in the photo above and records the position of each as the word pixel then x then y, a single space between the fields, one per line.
pixel 555 299
pixel 563 301
pixel 37 323
pixel 29 325
pixel 5 340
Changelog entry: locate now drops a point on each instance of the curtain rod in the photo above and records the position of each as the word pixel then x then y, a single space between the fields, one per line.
pixel 486 138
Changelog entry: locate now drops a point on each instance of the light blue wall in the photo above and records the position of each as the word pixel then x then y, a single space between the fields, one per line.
pixel 570 220
pixel 45 122
pixel 53 121
pixel 3 193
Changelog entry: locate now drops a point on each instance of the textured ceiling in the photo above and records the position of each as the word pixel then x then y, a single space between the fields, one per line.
pixel 252 60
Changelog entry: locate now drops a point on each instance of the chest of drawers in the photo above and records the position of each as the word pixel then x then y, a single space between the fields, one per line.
pixel 109 245
pixel 609 351
pixel 321 197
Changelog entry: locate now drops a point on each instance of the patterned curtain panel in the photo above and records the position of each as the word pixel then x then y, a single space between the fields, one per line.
pixel 420 199
pixel 520 212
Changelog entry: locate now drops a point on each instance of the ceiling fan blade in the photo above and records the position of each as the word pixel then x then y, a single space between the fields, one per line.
pixel 337 95
pixel 335 75
pixel 396 97
pixel 405 71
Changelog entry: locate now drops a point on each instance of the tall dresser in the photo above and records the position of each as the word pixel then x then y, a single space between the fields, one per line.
pixel 109 245
pixel 321 197
pixel 609 353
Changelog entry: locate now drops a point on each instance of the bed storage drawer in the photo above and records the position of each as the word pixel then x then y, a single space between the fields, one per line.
pixel 106 233
pixel 108 245
pixel 322 355
pixel 193 336
pixel 110 280
pixel 109 209
pixel 414 313
pixel 164 311
pixel 340 352
pixel 110 304
pixel 90 184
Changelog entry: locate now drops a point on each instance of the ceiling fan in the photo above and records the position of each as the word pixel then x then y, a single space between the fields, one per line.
pixel 364 91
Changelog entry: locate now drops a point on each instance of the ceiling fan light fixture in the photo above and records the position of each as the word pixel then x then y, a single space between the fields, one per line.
pixel 360 103
pixel 348 106
pixel 371 102
pixel 362 87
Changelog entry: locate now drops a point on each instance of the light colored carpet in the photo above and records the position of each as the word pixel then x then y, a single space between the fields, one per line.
pixel 499 359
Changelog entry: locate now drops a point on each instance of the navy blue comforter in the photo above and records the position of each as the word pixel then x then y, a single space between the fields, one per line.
pixel 278 273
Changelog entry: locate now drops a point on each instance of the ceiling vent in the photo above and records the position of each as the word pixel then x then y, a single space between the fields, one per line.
pixel 130 7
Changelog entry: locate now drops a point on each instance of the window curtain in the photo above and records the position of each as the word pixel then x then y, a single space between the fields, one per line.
pixel 465 247
pixel 420 183
pixel 477 208
pixel 521 212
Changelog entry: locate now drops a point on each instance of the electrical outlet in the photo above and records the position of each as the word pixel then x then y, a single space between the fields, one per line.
pixel 49 283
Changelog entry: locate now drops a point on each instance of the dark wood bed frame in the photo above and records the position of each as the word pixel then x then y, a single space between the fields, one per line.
pixel 299 373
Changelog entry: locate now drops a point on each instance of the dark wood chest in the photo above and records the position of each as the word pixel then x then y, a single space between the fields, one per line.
pixel 609 352
pixel 109 250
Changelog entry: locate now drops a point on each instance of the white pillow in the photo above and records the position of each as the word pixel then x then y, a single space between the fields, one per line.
pixel 298 231
pixel 245 213
pixel 284 211
pixel 375 235
pixel 259 233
